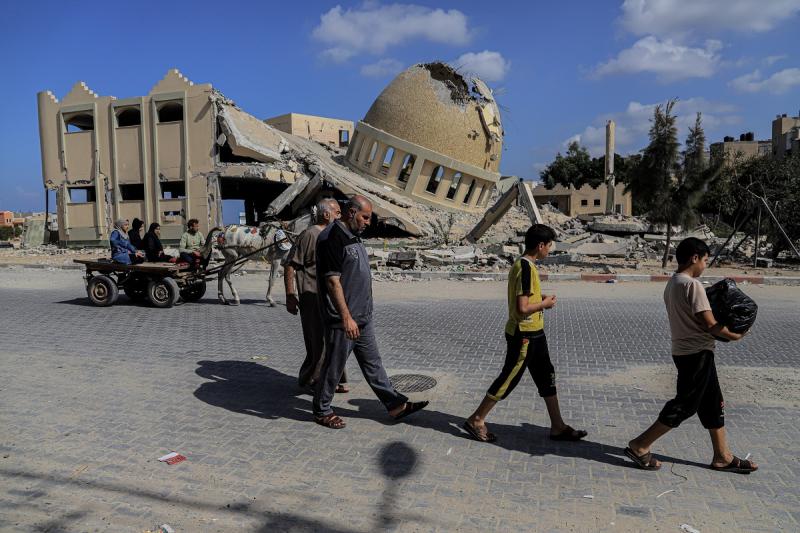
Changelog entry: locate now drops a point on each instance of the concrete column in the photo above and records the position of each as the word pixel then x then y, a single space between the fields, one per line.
pixel 609 177
pixel 416 170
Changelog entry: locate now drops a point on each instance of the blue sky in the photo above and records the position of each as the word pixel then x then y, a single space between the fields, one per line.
pixel 559 69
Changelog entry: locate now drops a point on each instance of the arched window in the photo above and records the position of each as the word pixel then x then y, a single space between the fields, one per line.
pixel 358 141
pixel 387 160
pixel 469 192
pixel 170 112
pixel 405 169
pixel 79 122
pixel 372 152
pixel 435 179
pixel 129 116
pixel 451 192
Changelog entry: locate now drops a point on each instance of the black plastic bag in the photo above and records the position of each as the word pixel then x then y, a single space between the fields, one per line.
pixel 731 307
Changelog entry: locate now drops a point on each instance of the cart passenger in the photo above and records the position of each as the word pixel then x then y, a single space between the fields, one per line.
pixel 135 233
pixel 191 245
pixel 122 251
pixel 153 248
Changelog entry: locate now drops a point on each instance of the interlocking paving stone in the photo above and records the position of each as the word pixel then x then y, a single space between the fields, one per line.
pixel 92 396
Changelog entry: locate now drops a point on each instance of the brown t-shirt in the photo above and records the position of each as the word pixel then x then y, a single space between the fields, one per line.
pixel 302 257
pixel 684 296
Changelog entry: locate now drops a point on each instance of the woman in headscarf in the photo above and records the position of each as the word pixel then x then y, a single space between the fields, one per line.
pixel 122 251
pixel 135 233
pixel 153 248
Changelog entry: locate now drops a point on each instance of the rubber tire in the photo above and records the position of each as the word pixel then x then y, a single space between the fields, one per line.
pixel 194 292
pixel 102 291
pixel 163 292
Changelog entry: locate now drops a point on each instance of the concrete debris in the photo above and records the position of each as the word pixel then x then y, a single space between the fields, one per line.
pixel 249 137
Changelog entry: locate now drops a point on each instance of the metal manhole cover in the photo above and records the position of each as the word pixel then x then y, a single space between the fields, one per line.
pixel 412 382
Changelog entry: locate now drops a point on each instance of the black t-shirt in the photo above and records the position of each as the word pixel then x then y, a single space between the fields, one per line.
pixel 340 253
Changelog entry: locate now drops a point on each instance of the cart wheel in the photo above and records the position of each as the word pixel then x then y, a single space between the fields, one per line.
pixel 194 291
pixel 163 292
pixel 102 291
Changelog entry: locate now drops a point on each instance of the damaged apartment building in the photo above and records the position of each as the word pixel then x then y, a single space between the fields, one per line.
pixel 430 142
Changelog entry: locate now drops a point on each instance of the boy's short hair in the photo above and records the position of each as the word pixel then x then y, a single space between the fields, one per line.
pixel 538 233
pixel 688 248
pixel 192 221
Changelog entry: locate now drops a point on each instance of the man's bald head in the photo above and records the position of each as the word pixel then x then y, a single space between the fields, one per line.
pixel 328 210
pixel 359 214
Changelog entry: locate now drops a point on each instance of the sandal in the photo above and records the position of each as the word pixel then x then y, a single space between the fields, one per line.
pixel 645 461
pixel 342 389
pixel 410 408
pixel 737 466
pixel 330 421
pixel 569 434
pixel 486 436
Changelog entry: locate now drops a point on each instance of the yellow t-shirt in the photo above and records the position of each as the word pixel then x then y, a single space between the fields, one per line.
pixel 524 279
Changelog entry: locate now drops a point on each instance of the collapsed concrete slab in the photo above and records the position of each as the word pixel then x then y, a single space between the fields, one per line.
pixel 247 136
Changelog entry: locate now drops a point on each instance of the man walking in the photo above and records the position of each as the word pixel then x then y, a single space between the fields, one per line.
pixel 345 292
pixel 302 296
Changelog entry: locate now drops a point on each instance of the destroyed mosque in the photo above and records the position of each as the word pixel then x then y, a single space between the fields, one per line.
pixel 430 144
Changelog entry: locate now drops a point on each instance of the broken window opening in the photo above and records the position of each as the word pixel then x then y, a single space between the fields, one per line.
pixel 344 138
pixel 79 122
pixel 387 160
pixel 226 155
pixel 129 116
pixel 618 209
pixel 597 202
pixel 171 190
pixel 358 141
pixel 451 192
pixel 81 195
pixel 170 112
pixel 584 203
pixel 405 169
pixel 131 191
pixel 172 214
pixel 435 179
pixel 372 152
pixel 469 192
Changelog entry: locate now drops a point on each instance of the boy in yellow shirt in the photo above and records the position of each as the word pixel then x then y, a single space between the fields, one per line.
pixel 526 342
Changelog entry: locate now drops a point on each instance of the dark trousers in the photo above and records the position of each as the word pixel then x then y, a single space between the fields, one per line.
pixel 525 351
pixel 698 392
pixel 365 348
pixel 314 337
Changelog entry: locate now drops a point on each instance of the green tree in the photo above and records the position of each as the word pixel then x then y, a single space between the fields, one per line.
pixel 667 191
pixel 575 168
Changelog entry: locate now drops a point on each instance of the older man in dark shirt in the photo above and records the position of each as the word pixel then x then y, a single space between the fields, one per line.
pixel 345 291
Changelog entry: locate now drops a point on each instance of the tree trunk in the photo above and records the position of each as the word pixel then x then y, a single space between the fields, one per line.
pixel 666 250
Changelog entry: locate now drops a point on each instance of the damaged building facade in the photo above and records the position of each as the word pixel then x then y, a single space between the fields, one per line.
pixel 177 152
pixel 330 131
pixel 433 136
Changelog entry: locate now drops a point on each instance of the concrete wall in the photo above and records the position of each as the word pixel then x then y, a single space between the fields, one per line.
pixel 125 155
pixel 731 150
pixel 583 201
pixel 321 129
pixel 785 136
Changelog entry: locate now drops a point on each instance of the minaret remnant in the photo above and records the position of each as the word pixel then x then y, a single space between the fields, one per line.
pixel 609 170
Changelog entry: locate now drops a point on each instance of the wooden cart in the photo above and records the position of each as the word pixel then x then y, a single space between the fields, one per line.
pixel 161 284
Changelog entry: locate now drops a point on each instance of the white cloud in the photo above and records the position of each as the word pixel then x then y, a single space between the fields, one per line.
pixel 383 68
pixel 633 124
pixel 487 65
pixel 778 83
pixel 771 60
pixel 372 28
pixel 677 18
pixel 668 60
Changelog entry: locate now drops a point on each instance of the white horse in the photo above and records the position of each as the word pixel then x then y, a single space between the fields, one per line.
pixel 270 241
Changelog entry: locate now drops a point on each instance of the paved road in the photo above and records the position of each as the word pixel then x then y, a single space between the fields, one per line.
pixel 91 397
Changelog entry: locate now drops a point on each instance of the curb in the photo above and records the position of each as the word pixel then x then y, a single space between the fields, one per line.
pixel 427 275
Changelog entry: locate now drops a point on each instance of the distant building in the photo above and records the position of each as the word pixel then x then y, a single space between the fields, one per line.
pixel 583 201
pixel 6 218
pixel 321 129
pixel 746 147
pixel 785 136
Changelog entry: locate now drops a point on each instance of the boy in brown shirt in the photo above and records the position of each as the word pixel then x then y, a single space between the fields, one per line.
pixel 693 328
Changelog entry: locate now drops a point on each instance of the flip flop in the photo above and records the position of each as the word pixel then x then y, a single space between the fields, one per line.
pixel 330 421
pixel 737 466
pixel 342 389
pixel 569 434
pixel 477 435
pixel 645 462
pixel 410 408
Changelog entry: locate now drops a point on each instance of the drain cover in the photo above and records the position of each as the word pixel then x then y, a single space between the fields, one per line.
pixel 412 382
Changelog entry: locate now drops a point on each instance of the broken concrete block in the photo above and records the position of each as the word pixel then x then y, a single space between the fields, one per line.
pixel 249 137
pixel 560 259
pixel 404 260
pixel 613 249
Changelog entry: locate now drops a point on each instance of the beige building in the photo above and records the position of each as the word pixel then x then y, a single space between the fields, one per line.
pixel 165 157
pixel 583 201
pixel 433 136
pixel 746 147
pixel 785 136
pixel 325 130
